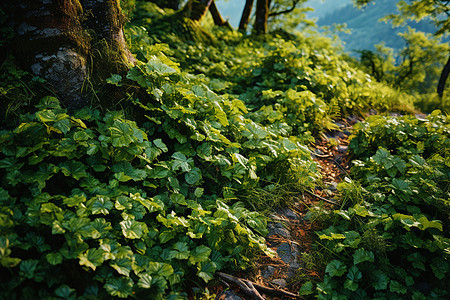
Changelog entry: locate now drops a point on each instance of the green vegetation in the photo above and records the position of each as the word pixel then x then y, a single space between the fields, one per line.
pixel 156 194
pixel 388 239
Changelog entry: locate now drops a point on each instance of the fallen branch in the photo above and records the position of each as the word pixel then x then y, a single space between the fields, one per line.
pixel 322 198
pixel 252 289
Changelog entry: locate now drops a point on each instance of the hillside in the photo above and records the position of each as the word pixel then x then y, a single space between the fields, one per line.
pixel 366 28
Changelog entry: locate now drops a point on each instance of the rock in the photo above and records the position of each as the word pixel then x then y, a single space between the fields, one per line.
pixel 278 229
pixel 268 272
pixel 288 253
pixel 342 149
pixel 288 213
pixel 332 186
pixel 280 282
pixel 228 295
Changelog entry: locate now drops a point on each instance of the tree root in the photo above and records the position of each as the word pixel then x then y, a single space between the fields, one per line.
pixel 252 289
pixel 322 198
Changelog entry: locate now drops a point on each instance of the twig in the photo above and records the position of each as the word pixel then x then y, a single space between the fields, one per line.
pixel 322 198
pixel 251 288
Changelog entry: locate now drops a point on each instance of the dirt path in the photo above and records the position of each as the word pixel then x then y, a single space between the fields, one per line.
pixel 290 231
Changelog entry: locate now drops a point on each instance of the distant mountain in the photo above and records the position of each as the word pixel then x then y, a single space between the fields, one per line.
pixel 366 29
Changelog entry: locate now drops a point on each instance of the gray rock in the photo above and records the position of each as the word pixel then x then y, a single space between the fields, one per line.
pixel 269 271
pixel 342 149
pixel 280 282
pixel 332 186
pixel 278 229
pixel 288 253
pixel 288 213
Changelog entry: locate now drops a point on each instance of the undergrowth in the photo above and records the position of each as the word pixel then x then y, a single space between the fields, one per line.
pixel 151 200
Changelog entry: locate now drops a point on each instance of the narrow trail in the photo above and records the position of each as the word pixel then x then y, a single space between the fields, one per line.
pixel 291 233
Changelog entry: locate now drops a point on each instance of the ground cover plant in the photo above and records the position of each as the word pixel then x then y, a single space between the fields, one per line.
pixel 151 197
pixel 389 238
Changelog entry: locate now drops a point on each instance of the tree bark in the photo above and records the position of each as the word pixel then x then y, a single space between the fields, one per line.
pixel 245 18
pixel 262 13
pixel 51 41
pixel 443 79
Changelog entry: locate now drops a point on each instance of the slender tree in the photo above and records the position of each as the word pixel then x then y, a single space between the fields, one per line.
pixel 261 16
pixel 245 18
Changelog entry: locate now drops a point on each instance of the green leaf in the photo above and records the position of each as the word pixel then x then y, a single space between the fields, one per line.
pixel 125 169
pixel 362 255
pixel 115 79
pixel 160 269
pixel 425 224
pixel 159 143
pixel 145 281
pixel 440 267
pixel 193 176
pixel 159 67
pixel 336 268
pixel 121 134
pixel 332 236
pixel 181 162
pixel 28 267
pixel 199 192
pixel 200 254
pixel 122 266
pixel 397 287
pixel 100 205
pixel 54 258
pixel 181 251
pixel 65 292
pixel 92 258
pixel 133 229
pixel 306 289
pixel 121 287
pixel 354 274
pixel 350 285
pixel 73 168
pixel 379 280
pixel 207 270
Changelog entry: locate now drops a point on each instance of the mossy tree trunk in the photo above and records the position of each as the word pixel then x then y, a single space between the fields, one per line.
pixel 56 41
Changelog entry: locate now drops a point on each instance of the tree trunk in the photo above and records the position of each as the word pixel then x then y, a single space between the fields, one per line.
pixel 52 41
pixel 262 13
pixel 196 9
pixel 245 18
pixel 218 20
pixel 443 79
